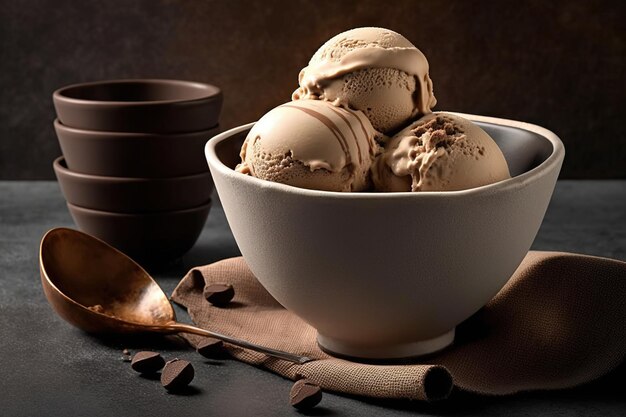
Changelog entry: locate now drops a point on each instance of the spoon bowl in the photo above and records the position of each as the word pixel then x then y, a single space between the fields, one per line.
pixel 98 289
pixel 80 273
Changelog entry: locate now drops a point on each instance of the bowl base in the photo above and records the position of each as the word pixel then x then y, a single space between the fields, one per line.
pixel 340 348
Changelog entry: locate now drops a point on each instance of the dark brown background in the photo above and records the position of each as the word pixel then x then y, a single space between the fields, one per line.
pixel 558 64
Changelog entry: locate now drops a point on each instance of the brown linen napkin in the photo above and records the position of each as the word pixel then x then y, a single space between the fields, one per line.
pixel 559 322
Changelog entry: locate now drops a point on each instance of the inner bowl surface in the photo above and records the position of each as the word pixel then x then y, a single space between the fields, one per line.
pixel 78 272
pixel 139 105
pixel 388 275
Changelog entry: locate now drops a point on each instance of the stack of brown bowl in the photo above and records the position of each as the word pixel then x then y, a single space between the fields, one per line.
pixel 133 170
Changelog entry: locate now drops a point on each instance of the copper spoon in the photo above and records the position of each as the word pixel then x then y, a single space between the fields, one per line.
pixel 100 290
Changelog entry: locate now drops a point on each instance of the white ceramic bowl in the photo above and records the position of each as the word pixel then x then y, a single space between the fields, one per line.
pixel 389 275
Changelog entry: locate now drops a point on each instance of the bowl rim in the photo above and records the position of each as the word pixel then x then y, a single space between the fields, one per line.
pixel 552 161
pixel 60 166
pixel 196 209
pixel 213 92
pixel 113 134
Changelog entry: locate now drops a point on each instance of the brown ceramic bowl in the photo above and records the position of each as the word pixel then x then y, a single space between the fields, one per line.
pixel 146 155
pixel 133 195
pixel 149 238
pixel 148 106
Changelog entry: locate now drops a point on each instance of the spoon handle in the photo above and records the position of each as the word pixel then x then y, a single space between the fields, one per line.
pixel 186 328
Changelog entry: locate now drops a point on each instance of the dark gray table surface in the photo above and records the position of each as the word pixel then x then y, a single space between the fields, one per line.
pixel 48 368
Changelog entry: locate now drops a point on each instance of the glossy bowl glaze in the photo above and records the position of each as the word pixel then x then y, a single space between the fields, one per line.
pixel 149 238
pixel 124 154
pixel 133 195
pixel 139 105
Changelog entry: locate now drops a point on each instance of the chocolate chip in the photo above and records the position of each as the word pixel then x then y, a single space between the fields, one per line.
pixel 126 355
pixel 211 348
pixel 219 294
pixel 176 375
pixel 419 131
pixel 438 137
pixel 147 362
pixel 197 279
pixel 305 394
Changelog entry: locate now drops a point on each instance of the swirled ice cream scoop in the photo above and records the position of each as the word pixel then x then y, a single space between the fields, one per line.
pixel 439 152
pixel 311 144
pixel 375 70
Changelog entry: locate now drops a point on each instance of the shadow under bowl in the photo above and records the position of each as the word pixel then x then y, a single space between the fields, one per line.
pixel 133 195
pixel 139 105
pixel 389 275
pixel 150 238
pixel 122 154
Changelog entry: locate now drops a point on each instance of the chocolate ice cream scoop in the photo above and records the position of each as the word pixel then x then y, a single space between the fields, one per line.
pixel 375 70
pixel 439 152
pixel 311 144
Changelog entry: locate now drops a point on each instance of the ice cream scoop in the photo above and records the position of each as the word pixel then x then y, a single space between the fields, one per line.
pixel 311 144
pixel 439 152
pixel 375 70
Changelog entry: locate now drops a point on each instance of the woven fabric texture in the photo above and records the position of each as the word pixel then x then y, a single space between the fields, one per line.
pixel 559 322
